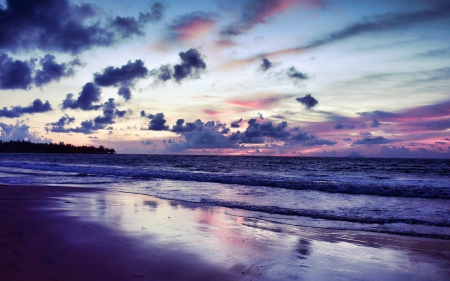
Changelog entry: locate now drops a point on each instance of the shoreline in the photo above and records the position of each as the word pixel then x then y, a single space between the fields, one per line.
pixel 73 233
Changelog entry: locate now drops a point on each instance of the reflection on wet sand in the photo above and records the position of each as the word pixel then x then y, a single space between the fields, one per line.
pixel 262 249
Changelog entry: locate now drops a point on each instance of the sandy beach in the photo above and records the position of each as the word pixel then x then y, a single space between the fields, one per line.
pixel 65 233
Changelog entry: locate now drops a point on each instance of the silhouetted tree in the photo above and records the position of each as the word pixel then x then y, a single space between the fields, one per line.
pixel 29 147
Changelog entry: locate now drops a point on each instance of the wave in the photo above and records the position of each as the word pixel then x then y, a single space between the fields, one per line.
pixel 333 184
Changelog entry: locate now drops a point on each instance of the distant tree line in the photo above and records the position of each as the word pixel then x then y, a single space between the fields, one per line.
pixel 29 147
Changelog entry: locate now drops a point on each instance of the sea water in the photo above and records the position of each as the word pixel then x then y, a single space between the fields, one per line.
pixel 399 196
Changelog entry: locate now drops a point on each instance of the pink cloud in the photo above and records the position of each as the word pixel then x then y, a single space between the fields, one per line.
pixel 211 112
pixel 256 11
pixel 259 101
pixel 192 26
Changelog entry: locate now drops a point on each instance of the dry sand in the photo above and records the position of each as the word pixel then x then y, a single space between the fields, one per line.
pixel 62 233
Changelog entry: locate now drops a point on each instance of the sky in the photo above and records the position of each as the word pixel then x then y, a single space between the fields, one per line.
pixel 236 77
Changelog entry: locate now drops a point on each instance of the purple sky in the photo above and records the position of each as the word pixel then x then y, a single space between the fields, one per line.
pixel 248 77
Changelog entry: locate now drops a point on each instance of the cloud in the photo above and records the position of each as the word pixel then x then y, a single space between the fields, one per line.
pixel 377 24
pixel 265 65
pixel 254 12
pixel 109 112
pixel 89 126
pixel 58 25
pixel 124 77
pixel 307 101
pixel 16 111
pixel 383 23
pixel 199 135
pixel 128 26
pixel 147 142
pixel 344 126
pixel 375 140
pixel 157 123
pixel 296 75
pixel 191 26
pixel 436 53
pixel 260 101
pixel 20 131
pixel 179 127
pixel 124 92
pixel 375 123
pixel 236 124
pixel 256 131
pixel 403 152
pixel 163 73
pixel 310 140
pixel 64 120
pixel 17 74
pixel 191 66
pixel 52 71
pixel 379 114
pixel 89 94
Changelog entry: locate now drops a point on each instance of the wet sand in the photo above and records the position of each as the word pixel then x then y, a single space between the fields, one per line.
pixel 63 233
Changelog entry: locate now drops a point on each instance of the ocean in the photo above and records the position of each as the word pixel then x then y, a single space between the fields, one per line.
pixel 397 196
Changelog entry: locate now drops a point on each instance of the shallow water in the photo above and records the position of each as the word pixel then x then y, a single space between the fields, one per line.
pixel 408 197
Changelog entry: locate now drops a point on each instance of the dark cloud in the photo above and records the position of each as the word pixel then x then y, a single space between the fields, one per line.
pixel 147 142
pixel 17 74
pixel 16 111
pixel 379 114
pixel 179 127
pixel 125 75
pixel 375 140
pixel 163 73
pixel 128 26
pixel 20 131
pixel 265 65
pixel 157 123
pixel 52 71
pixel 403 152
pixel 125 92
pixel 89 94
pixel 382 23
pixel 109 112
pixel 344 126
pixel 347 139
pixel 63 121
pixel 89 126
pixel 58 25
pixel 236 124
pixel 310 140
pixel 201 135
pixel 256 131
pixel 191 66
pixel 295 74
pixel 375 123
pixel 86 127
pixel 307 101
